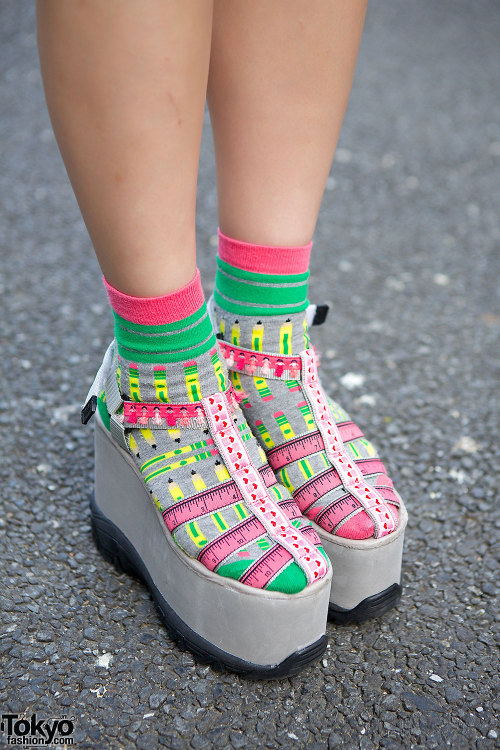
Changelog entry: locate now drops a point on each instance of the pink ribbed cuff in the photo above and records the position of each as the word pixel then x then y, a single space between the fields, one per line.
pixel 169 308
pixel 264 259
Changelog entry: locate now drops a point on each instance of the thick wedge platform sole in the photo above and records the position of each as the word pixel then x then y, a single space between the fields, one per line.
pixel 366 573
pixel 258 633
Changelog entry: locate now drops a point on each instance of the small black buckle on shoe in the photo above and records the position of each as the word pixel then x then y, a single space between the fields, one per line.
pixel 320 314
pixel 89 409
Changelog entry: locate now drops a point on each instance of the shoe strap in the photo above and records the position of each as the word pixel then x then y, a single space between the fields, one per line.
pixel 316 314
pixel 249 481
pixel 216 411
pixel 90 404
pixel 105 380
pixel 304 369
pixel 127 415
pixel 260 364
pixel 165 416
pixel 350 475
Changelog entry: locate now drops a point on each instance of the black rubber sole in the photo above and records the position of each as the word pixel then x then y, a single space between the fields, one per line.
pixel 118 550
pixel 372 606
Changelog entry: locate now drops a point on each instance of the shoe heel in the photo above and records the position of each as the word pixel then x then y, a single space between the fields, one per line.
pixel 107 539
pixel 366 573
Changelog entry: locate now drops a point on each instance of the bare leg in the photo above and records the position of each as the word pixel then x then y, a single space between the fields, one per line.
pixel 280 77
pixel 125 83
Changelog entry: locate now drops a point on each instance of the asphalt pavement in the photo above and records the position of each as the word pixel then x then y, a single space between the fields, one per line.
pixel 407 251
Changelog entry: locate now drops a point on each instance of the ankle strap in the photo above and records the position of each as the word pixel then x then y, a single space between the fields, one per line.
pixel 260 364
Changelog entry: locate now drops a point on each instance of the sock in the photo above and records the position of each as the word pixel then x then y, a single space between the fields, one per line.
pixel 167 353
pixel 260 302
pixel 166 345
pixel 263 281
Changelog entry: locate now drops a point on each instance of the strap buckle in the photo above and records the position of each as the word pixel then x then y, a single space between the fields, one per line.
pixel 320 314
pixel 89 409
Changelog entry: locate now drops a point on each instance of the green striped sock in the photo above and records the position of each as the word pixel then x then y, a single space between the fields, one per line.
pixel 172 342
pixel 250 293
pixel 166 347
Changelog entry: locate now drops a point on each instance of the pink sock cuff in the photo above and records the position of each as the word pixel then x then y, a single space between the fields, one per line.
pixel 264 259
pixel 169 308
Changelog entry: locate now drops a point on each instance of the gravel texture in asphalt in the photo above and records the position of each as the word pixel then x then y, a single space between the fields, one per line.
pixel 409 232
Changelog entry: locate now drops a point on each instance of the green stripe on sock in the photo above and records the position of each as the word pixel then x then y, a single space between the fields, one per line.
pixel 249 293
pixel 262 278
pixel 167 327
pixel 291 580
pixel 174 342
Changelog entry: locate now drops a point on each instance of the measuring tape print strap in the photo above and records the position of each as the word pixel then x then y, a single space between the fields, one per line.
pixel 208 501
pixel 267 475
pixel 349 431
pixel 295 449
pixel 309 532
pixel 352 478
pixel 314 488
pixel 267 567
pixel 254 492
pixel 291 509
pixel 337 513
pixel 213 553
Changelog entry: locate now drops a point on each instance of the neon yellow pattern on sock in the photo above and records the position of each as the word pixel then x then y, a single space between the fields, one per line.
pixel 257 336
pixel 236 380
pixel 178 464
pixel 308 417
pixel 160 384
pixel 222 473
pixel 133 444
pixel 192 382
pixel 262 455
pixel 235 334
pixel 276 492
pixel 157 502
pixel 369 447
pixel 175 491
pixel 194 532
pixel 218 371
pixel 262 388
pixel 286 338
pixel 263 544
pixel 176 452
pixel 219 521
pixel 284 425
pixel 306 468
pixel 148 436
pixel 307 340
pixel 133 377
pixel 263 432
pixel 240 511
pixel 354 451
pixel 283 476
pixel 198 482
